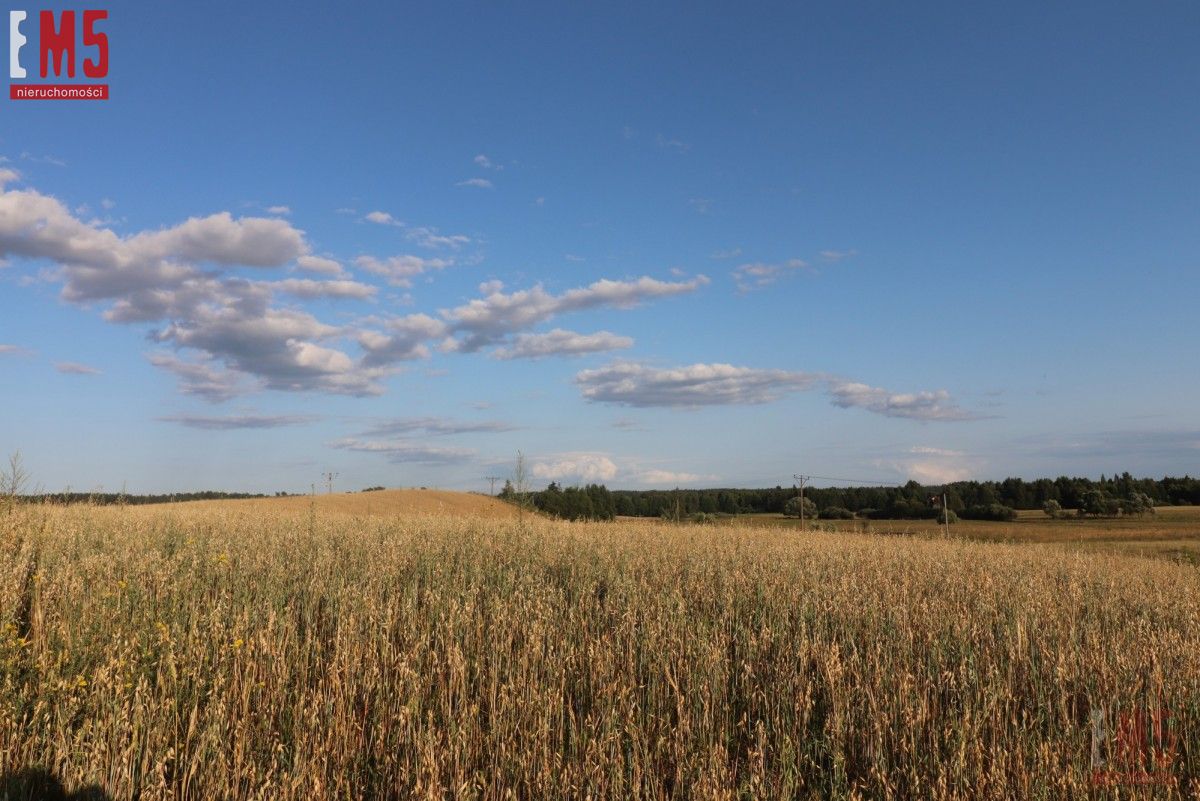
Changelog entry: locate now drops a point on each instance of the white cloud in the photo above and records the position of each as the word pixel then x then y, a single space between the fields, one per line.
pixel 731 253
pixel 587 467
pixel 483 161
pixel 478 183
pixel 10 349
pixel 382 218
pixel 97 264
pixel 400 270
pixel 672 478
pixel 490 319
pixel 404 340
pixel 632 384
pixel 75 368
pixel 935 405
pixel 308 288
pixel 280 210
pixel 932 472
pixel 322 265
pixel 560 342
pixel 424 236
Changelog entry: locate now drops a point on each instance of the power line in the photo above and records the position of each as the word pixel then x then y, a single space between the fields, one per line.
pixel 858 481
pixel 492 480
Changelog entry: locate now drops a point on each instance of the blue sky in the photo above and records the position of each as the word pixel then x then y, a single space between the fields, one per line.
pixel 649 246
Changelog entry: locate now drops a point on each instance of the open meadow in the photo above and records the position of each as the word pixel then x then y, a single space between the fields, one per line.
pixel 301 649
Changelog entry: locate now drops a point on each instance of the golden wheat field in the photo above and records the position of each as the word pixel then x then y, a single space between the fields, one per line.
pixel 238 652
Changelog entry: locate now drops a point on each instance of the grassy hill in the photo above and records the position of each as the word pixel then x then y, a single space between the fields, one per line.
pixel 381 503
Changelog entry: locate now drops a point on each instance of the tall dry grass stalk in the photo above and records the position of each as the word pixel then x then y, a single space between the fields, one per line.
pixel 234 656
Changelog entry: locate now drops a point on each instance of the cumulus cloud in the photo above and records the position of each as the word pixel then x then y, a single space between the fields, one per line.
pixel 235 322
pixel 935 405
pixel 478 183
pixel 441 426
pixel 403 451
pixel 560 342
pixel 490 319
pixel 75 368
pixel 233 422
pixel 161 276
pixel 228 334
pixel 404 339
pixel 400 270
pixel 632 384
pixel 280 210
pixel 586 467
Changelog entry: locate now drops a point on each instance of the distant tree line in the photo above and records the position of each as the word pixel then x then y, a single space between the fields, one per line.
pixel 118 498
pixel 593 502
pixel 971 500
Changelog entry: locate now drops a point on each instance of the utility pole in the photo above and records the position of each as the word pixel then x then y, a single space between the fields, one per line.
pixel 801 479
pixel 329 476
pixel 933 501
pixel 492 480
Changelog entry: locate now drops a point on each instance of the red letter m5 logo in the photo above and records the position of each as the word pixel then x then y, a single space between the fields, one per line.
pixel 60 43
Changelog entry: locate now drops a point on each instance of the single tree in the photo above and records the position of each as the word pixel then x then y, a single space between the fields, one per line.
pixel 792 508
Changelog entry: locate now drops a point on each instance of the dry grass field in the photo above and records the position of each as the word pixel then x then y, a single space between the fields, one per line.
pixel 283 650
pixel 385 503
pixel 1172 533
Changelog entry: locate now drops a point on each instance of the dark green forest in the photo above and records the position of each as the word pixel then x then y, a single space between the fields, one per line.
pixel 968 499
